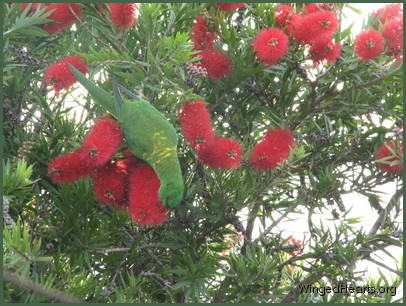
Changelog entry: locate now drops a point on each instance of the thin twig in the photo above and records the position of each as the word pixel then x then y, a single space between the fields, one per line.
pixel 275 223
pixel 382 217
pixel 33 286
pixel 106 251
pixel 87 28
pixel 399 273
pixel 294 293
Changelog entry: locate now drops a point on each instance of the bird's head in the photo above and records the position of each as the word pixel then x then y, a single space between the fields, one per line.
pixel 171 194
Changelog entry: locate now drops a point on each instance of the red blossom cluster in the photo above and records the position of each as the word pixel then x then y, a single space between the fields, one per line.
pixel 216 63
pixel 273 149
pixel 123 15
pixel 389 12
pixel 144 205
pixel 271 45
pixel 314 26
pixel 59 75
pixel 230 6
pixel 389 157
pixel 212 150
pixel 388 34
pixel 63 14
pixel 316 7
pixel 224 153
pixel 296 245
pixel 115 182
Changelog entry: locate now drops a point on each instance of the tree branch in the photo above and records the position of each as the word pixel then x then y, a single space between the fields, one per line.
pixel 385 266
pixel 382 217
pixel 33 286
pixel 294 293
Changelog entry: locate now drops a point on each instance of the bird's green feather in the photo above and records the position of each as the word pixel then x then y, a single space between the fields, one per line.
pixel 149 135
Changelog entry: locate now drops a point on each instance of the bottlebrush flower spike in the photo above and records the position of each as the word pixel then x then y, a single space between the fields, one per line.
pixel 317 7
pixel 385 152
pixel 195 122
pixel 230 6
pixel 102 142
pixel 129 161
pixel 123 15
pixel 316 27
pixel 273 149
pixel 217 64
pixel 292 23
pixel 282 14
pixel 61 14
pixel 59 75
pixel 68 168
pixel 296 246
pixel 110 184
pixel 221 153
pixel 390 11
pixel 201 37
pixel 368 45
pixel 271 45
pixel 327 50
pixel 393 33
pixel 144 205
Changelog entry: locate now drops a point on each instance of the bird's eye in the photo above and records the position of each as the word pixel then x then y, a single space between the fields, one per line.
pixel 169 198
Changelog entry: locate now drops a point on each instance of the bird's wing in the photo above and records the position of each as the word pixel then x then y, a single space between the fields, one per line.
pixel 146 130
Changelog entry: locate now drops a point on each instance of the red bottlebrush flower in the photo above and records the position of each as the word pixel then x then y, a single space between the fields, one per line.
pixel 144 205
pixel 315 27
pixel 123 15
pixel 327 50
pixel 296 246
pixel 195 122
pixel 201 37
pixel 230 6
pixel 221 153
pixel 273 149
pixel 129 159
pixel 292 23
pixel 61 14
pixel 271 45
pixel 217 64
pixel 110 184
pixel 127 164
pixel 102 142
pixel 59 75
pixel 390 11
pixel 282 14
pixel 316 7
pixel 393 33
pixel 385 152
pixel 368 45
pixel 68 168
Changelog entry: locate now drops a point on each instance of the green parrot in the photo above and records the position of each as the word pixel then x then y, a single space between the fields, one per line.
pixel 149 135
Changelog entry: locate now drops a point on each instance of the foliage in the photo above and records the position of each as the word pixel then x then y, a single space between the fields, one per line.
pixel 340 114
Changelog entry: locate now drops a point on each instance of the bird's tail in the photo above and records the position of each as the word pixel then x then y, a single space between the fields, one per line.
pixel 99 95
